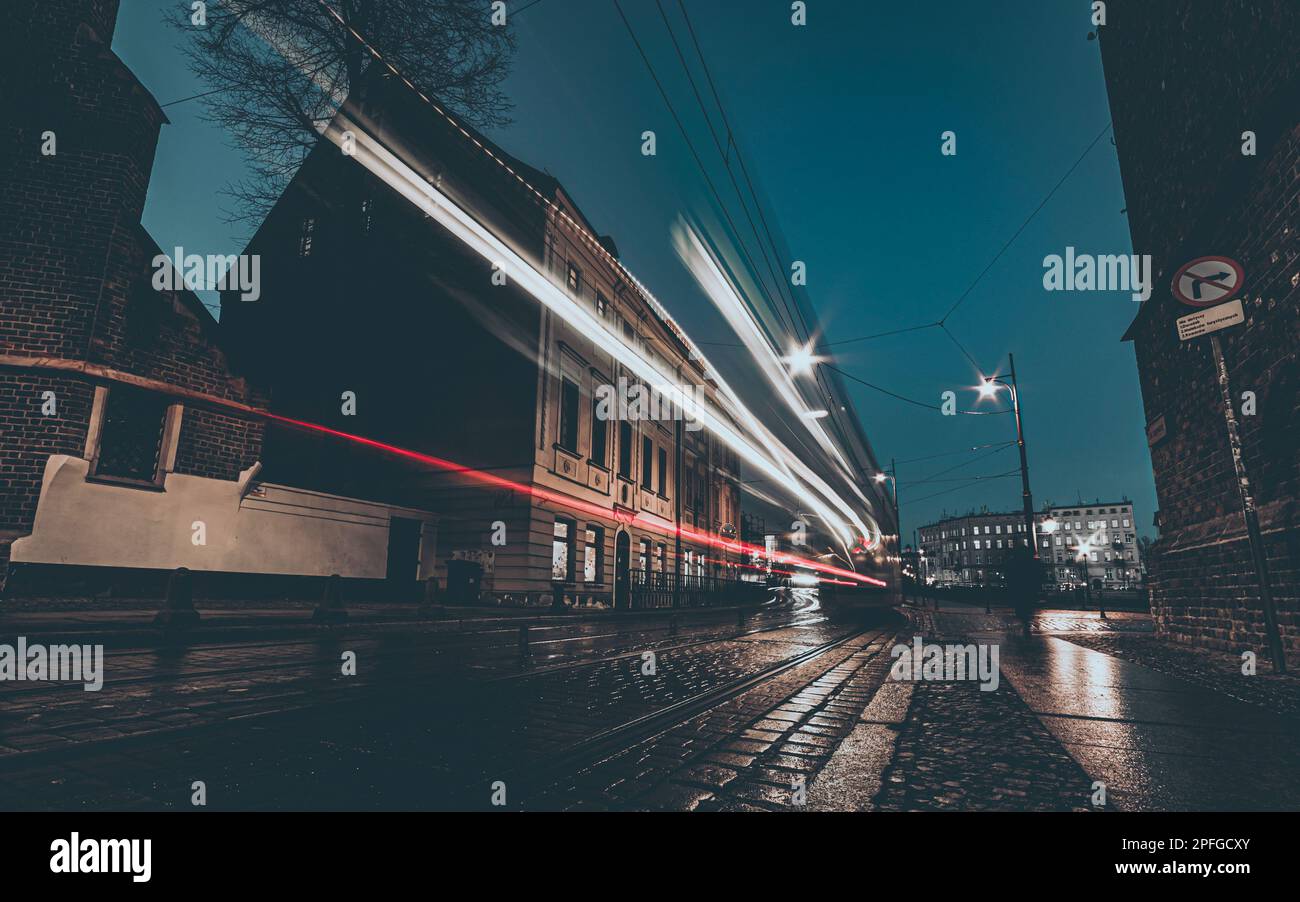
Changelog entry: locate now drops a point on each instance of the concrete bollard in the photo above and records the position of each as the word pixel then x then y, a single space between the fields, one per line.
pixel 178 607
pixel 330 609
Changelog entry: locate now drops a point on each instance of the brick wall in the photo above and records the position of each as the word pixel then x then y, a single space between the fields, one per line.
pixel 1179 112
pixel 75 264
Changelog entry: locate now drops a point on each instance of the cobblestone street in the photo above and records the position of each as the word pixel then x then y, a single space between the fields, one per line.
pixel 780 709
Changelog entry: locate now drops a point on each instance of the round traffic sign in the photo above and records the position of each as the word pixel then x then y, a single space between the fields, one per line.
pixel 1206 281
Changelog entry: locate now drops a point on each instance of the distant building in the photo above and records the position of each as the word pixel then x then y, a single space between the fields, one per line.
pixel 1207 146
pixel 1095 542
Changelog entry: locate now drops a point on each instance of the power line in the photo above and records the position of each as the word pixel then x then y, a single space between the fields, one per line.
pixel 967 463
pixel 953 479
pixel 956 488
pixel 971 287
pixel 913 460
pixel 1023 225
pixel 892 394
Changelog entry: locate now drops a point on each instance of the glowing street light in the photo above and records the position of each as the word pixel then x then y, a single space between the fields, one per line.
pixel 801 360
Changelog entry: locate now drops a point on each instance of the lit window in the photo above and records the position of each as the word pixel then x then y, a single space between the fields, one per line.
pixel 663 472
pixel 561 544
pixel 602 305
pixel 575 279
pixel 593 554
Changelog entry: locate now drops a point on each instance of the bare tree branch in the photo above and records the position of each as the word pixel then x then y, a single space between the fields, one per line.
pixel 280 69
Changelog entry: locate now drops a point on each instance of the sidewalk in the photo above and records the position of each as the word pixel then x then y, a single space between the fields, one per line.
pixel 1158 742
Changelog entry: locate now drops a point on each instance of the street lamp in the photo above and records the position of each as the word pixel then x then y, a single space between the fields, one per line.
pixel 988 388
pixel 801 360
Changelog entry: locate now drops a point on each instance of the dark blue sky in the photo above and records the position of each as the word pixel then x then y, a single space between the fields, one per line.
pixel 840 125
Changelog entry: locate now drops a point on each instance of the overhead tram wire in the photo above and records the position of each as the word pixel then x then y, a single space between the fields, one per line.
pixel 913 460
pixel 790 311
pixel 690 145
pixel 958 488
pixel 913 401
pixel 793 308
pixel 708 120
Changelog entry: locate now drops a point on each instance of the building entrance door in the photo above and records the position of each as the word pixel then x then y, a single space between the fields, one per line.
pixel 622 571
pixel 403 558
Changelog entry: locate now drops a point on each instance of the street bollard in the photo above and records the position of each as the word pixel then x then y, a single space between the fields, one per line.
pixel 524 651
pixel 330 609
pixel 178 608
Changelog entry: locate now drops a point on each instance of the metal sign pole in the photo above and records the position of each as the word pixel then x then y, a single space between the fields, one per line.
pixel 1248 508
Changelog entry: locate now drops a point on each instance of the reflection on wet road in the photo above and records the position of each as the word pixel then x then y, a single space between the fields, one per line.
pixel 1157 742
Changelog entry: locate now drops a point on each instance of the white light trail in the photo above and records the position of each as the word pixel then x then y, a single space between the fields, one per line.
pixel 403 179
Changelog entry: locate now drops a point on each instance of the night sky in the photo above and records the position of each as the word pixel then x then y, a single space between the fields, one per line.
pixel 839 123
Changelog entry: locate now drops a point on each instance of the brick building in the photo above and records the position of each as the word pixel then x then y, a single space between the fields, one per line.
pixel 129 445
pixel 107 387
pixel 1204 100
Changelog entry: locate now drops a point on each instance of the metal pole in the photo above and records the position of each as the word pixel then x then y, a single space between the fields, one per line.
pixel 1024 462
pixel 1248 509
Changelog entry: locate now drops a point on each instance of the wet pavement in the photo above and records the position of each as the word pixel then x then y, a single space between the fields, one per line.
pixel 792 710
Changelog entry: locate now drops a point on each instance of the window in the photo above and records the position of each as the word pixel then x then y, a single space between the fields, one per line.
pixel 647 463
pixel 598 434
pixel 593 554
pixel 131 434
pixel 561 548
pixel 1114 524
pixel 305 237
pixel 575 279
pixel 1094 556
pixel 569 415
pixel 645 555
pixel 663 472
pixel 1126 523
pixel 660 551
pixel 602 305
pixel 625 449
pixel 977 544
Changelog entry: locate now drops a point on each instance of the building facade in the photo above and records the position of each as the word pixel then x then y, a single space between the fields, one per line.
pixel 538 482
pixel 1198 184
pixel 389 405
pixel 1094 543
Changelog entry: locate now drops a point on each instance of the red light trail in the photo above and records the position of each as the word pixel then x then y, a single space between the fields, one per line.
pixel 577 504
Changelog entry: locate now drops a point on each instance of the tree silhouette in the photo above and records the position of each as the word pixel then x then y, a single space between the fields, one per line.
pixel 278 70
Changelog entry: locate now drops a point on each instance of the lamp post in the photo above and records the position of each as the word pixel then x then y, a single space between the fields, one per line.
pixel 892 476
pixel 989 389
